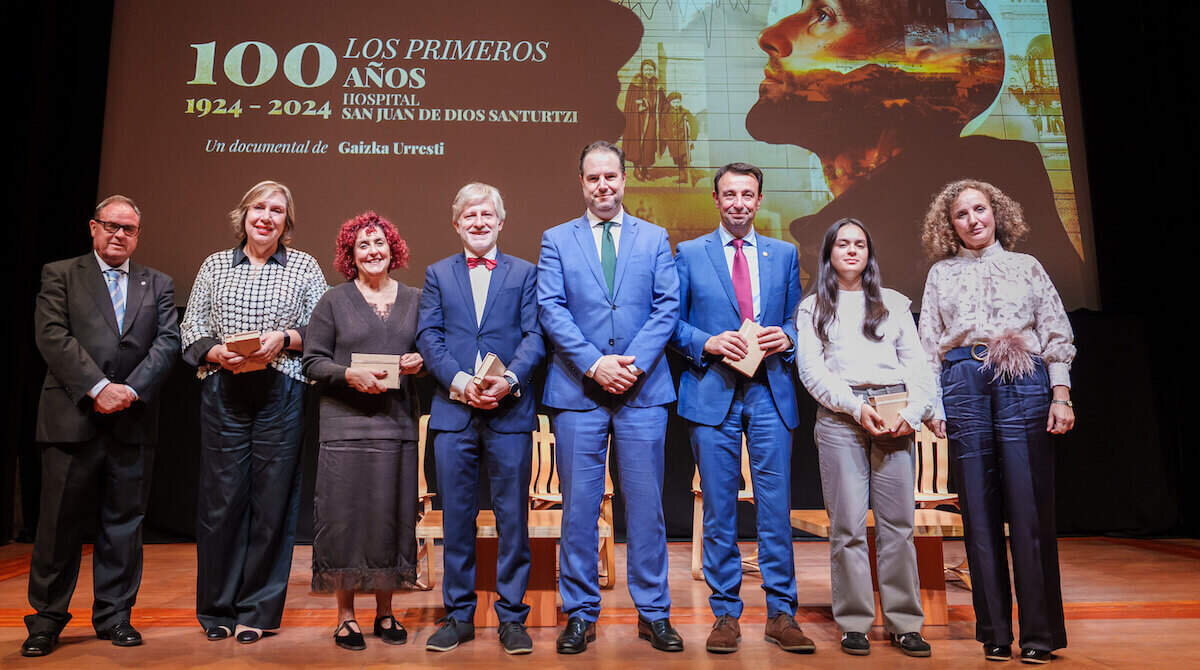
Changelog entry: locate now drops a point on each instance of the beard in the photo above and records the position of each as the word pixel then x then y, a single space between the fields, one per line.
pixel 829 112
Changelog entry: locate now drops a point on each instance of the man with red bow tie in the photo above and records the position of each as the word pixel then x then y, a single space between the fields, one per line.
pixel 474 303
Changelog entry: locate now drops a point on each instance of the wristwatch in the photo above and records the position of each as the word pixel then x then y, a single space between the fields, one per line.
pixel 514 386
pixel 1068 403
pixel 287 339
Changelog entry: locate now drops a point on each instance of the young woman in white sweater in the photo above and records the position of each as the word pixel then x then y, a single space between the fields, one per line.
pixel 858 340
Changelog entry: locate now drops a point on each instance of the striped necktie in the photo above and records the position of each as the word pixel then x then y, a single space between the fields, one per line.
pixel 112 277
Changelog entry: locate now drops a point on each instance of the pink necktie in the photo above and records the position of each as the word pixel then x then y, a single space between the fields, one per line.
pixel 741 281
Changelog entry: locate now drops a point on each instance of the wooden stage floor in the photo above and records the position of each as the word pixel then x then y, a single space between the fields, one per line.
pixel 1129 604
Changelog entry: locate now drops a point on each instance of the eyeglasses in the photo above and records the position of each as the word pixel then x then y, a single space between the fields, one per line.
pixel 112 228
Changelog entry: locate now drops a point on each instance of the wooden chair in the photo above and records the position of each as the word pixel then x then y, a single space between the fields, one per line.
pixel 426 549
pixel 546 493
pixel 745 494
pixel 931 488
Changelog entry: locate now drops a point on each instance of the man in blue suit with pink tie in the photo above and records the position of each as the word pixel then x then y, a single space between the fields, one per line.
pixel 474 303
pixel 608 301
pixel 725 278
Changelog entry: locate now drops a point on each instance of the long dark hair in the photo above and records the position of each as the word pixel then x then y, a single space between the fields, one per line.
pixel 826 287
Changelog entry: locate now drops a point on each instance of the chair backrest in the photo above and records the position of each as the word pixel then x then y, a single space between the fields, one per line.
pixel 932 464
pixel 422 435
pixel 745 487
pixel 543 479
pixel 543 476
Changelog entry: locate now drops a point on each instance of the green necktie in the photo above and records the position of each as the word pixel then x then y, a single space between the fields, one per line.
pixel 608 256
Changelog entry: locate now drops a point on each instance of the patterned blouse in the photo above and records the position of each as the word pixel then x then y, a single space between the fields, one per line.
pixel 231 295
pixel 981 294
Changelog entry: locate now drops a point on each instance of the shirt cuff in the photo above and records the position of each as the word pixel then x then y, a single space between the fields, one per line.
pixel 95 390
pixel 1060 375
pixel 592 370
pixel 458 386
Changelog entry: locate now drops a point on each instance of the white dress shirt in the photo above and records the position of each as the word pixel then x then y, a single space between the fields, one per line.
pixel 597 224
pixel 481 279
pixel 750 251
pixel 123 280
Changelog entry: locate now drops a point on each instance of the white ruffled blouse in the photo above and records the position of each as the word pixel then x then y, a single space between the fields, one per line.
pixel 981 294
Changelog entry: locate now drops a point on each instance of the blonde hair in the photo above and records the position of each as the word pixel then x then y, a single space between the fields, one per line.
pixel 474 194
pixel 938 235
pixel 258 192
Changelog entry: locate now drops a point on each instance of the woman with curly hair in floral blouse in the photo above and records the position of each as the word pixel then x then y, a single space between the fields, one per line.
pixel 998 340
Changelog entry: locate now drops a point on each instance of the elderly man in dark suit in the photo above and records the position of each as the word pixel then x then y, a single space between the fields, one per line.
pixel 477 302
pixel 107 329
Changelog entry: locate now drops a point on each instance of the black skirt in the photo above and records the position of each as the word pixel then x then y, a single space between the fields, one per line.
pixel 365 516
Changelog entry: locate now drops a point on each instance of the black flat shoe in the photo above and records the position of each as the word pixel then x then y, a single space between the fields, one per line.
pixel 1036 656
pixel 996 652
pixel 575 637
pixel 122 635
pixel 217 633
pixel 660 634
pixel 249 636
pixel 352 640
pixel 394 635
pixel 39 644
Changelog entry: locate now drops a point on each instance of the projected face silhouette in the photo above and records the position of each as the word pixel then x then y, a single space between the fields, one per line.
pixel 851 74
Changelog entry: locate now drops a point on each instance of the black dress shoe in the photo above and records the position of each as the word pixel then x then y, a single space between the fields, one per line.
pixel 122 635
pixel 1038 656
pixel 39 644
pixel 660 633
pixel 217 633
pixel 393 635
pixel 997 652
pixel 514 638
pixel 249 636
pixel 348 638
pixel 575 637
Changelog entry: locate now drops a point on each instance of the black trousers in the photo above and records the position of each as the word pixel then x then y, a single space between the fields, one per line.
pixel 101 484
pixel 1003 466
pixel 251 426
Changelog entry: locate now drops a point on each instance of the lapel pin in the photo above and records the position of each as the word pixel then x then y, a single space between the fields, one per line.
pixel 764 253
pixel 144 283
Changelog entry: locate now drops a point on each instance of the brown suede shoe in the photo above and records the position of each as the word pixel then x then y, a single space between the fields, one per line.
pixel 725 635
pixel 785 632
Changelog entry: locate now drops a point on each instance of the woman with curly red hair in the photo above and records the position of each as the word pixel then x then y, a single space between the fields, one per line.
pixel 365 505
pixel 998 340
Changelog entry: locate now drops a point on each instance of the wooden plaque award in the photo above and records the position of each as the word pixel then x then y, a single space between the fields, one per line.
pixel 245 344
pixel 389 363
pixel 754 355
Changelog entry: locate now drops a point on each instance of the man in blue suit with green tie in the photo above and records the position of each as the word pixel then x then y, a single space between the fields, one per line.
pixel 608 301
pixel 725 278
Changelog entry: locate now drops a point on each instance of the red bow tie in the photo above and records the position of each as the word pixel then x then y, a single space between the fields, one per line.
pixel 486 262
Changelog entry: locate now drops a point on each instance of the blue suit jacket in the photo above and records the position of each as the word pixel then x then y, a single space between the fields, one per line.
pixel 448 337
pixel 708 306
pixel 583 323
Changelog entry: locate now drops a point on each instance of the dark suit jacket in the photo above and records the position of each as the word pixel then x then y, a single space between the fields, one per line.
pixel 708 306
pixel 76 332
pixel 448 337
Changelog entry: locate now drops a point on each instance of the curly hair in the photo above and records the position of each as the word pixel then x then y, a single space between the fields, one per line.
pixel 938 235
pixel 343 252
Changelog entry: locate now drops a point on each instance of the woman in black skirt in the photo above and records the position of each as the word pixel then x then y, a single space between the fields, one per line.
pixel 366 497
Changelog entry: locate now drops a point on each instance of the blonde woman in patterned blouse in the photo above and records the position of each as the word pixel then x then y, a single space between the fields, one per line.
pixel 251 410
pixel 999 342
